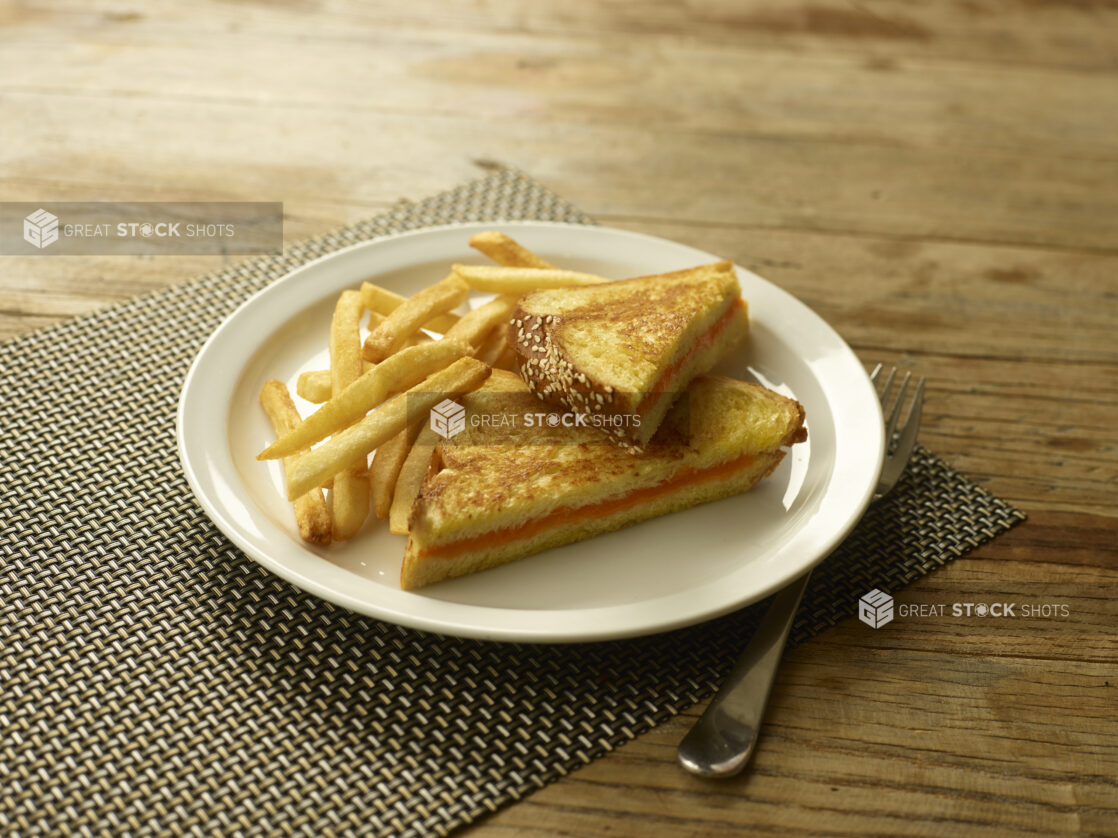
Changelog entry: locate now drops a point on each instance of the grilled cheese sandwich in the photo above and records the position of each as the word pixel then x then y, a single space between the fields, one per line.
pixel 502 490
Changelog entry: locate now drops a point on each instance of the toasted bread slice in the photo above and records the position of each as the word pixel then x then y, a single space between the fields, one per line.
pixel 508 487
pixel 628 348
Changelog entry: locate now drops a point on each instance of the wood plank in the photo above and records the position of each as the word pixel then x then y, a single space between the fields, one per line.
pixel 930 193
pixel 549 78
pixel 1010 32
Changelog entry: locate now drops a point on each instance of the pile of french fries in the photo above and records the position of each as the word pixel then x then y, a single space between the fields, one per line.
pixel 377 393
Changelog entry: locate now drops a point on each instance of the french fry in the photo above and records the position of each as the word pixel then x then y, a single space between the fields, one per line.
pixel 405 369
pixel 314 386
pixel 311 513
pixel 375 319
pixel 351 446
pixel 406 320
pixel 504 280
pixel 477 324
pixel 386 466
pixel 350 495
pixel 345 357
pixel 383 302
pixel 505 250
pixel 410 481
pixel 349 498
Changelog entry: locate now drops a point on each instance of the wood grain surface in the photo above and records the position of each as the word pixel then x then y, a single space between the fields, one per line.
pixel 939 181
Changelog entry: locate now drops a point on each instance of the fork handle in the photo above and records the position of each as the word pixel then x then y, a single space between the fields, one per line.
pixel 722 740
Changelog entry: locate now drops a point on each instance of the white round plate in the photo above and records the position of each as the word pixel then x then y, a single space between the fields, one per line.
pixel 662 574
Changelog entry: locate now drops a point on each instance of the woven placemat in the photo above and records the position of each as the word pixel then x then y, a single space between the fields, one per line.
pixel 155 681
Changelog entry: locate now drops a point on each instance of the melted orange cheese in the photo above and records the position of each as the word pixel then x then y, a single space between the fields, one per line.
pixel 669 374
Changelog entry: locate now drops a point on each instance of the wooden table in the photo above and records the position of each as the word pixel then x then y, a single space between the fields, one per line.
pixel 939 181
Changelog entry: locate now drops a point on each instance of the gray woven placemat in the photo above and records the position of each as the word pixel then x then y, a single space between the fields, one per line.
pixel 155 681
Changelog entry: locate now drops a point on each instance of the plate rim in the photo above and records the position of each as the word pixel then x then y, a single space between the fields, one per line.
pixel 528 625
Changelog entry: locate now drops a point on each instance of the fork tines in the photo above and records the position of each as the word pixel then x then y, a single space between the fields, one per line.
pixel 892 417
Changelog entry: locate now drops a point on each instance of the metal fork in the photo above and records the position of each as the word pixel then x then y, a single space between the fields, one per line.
pixel 723 739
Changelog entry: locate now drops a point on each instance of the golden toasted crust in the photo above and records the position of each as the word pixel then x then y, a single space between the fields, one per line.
pixel 505 477
pixel 604 349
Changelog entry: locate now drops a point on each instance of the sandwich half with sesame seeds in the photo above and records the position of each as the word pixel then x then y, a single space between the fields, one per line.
pixel 510 485
pixel 627 349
